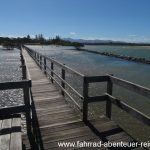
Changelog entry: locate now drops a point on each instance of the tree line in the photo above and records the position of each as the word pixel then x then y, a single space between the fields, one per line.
pixel 38 40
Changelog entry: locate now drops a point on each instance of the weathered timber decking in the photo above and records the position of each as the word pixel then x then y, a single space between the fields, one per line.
pixel 10 130
pixel 57 122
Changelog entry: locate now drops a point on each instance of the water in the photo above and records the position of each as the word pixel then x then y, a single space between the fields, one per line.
pixel 93 64
pixel 10 71
pixel 135 51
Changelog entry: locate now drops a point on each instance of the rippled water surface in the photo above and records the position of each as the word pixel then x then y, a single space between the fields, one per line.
pixel 93 64
pixel 10 71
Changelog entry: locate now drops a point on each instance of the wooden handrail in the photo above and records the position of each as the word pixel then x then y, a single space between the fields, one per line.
pixel 132 111
pixel 12 110
pixel 93 79
pixel 15 85
pixel 131 86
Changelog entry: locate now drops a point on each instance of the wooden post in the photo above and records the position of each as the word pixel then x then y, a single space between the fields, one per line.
pixel 85 103
pixel 62 83
pixel 40 61
pixel 38 58
pixel 28 113
pixel 44 65
pixel 108 102
pixel 22 61
pixel 52 68
pixel 34 55
pixel 24 72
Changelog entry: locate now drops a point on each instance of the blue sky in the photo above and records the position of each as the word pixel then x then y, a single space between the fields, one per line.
pixel 126 20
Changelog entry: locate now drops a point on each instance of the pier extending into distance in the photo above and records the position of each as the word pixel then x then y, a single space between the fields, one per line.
pixel 50 119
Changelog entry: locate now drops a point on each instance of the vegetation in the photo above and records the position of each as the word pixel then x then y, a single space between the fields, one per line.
pixel 8 45
pixel 39 39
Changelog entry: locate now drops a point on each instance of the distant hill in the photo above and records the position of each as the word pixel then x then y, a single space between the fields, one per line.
pixel 104 42
pixel 92 41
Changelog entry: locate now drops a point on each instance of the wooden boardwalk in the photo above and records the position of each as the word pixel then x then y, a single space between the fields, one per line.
pixel 57 122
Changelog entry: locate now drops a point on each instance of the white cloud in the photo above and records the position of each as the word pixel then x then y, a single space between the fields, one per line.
pixel 132 35
pixel 73 33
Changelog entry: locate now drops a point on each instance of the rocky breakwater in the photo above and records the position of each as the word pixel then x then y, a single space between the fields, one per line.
pixel 129 58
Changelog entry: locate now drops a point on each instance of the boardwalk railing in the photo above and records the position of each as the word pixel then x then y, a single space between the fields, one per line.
pixel 25 85
pixel 42 61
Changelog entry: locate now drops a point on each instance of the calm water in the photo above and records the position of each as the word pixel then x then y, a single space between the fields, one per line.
pixel 93 64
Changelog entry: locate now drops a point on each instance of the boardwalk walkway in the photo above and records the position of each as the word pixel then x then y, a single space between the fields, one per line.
pixel 57 122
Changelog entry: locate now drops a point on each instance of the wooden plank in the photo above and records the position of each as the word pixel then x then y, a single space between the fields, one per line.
pixel 67 134
pixel 60 124
pixel 45 94
pixel 58 120
pixel 5 134
pixel 41 87
pixel 52 109
pixel 63 129
pixel 56 112
pixel 118 137
pixel 42 110
pixel 50 99
pixel 81 138
pixel 51 118
pixel 131 86
pixel 44 90
pixel 16 139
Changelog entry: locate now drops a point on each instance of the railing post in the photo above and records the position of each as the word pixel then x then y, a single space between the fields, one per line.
pixel 62 83
pixel 22 61
pixel 28 107
pixel 85 103
pixel 52 69
pixel 40 61
pixel 108 102
pixel 38 58
pixel 35 55
pixel 24 72
pixel 44 65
